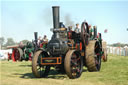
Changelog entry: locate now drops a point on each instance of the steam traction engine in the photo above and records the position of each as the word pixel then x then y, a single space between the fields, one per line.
pixel 23 52
pixel 20 53
pixel 68 51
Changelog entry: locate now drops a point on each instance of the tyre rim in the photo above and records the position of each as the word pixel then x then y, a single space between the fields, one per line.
pixel 98 56
pixel 98 62
pixel 83 32
pixel 42 70
pixel 75 65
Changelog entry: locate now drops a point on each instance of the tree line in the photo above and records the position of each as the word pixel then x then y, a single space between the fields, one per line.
pixel 118 44
pixel 10 41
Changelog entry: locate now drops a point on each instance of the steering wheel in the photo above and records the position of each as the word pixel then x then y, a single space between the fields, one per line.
pixel 85 33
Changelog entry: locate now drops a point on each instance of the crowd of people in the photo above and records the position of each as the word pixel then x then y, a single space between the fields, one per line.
pixel 78 30
pixel 42 41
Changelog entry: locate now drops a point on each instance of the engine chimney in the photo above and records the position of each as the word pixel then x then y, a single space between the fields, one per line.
pixel 35 35
pixel 55 10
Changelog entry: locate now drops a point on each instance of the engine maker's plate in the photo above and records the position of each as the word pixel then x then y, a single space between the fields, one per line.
pixel 51 60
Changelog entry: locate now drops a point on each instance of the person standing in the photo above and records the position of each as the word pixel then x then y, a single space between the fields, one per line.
pixel 45 41
pixel 45 38
pixel 39 41
pixel 77 30
pixel 91 32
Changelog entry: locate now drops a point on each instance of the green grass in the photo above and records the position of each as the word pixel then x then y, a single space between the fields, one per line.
pixel 113 72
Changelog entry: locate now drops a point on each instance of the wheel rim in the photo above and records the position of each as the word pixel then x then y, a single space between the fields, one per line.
pixel 84 31
pixel 93 56
pixel 41 69
pixel 37 69
pixel 98 56
pixel 98 62
pixel 73 65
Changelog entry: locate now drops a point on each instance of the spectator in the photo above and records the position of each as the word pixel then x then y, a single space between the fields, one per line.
pixel 45 39
pixel 91 32
pixel 39 41
pixel 70 28
pixel 21 45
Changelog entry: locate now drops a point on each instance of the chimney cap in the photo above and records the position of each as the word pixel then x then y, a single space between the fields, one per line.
pixel 55 6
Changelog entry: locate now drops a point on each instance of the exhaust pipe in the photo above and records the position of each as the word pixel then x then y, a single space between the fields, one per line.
pixel 55 10
pixel 35 35
pixel 95 31
pixel 35 41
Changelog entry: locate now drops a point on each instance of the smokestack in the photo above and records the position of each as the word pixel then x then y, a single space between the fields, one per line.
pixel 35 35
pixel 95 31
pixel 55 10
pixel 35 41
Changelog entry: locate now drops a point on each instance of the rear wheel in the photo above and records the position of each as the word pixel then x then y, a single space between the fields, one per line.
pixel 104 56
pixel 93 56
pixel 37 69
pixel 73 64
pixel 17 54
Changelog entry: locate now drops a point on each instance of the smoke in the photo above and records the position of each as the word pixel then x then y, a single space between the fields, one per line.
pixel 48 18
pixel 68 21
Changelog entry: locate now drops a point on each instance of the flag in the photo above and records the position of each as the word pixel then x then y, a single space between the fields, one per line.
pixel 105 31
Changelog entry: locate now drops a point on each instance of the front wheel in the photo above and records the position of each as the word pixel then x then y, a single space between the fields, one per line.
pixel 73 64
pixel 37 69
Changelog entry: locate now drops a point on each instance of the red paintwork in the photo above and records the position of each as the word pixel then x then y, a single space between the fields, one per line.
pixel 30 56
pixel 80 46
pixel 69 34
pixel 13 54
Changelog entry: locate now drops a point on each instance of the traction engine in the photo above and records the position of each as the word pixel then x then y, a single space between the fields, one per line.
pixel 68 51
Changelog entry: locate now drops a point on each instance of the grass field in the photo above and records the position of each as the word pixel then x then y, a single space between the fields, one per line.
pixel 113 72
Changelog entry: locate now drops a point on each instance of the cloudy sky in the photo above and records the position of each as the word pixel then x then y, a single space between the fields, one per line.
pixel 21 18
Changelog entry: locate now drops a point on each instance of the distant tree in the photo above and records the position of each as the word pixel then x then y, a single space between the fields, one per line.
pixel 10 41
pixel 119 45
pixel 25 41
pixel 1 40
